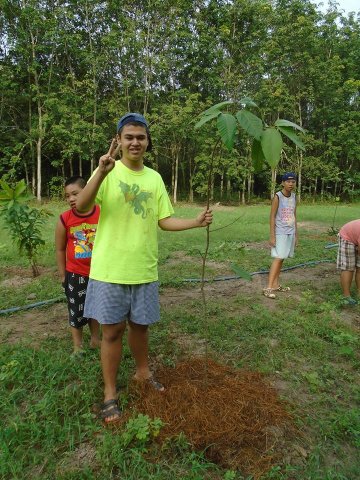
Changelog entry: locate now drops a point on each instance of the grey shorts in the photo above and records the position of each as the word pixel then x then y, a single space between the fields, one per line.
pixel 111 303
pixel 285 246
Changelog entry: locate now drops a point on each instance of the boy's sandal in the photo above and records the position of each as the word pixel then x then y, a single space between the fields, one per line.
pixel 268 292
pixel 110 409
pixel 283 289
pixel 77 354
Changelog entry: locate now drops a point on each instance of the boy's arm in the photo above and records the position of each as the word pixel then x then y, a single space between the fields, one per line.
pixel 273 212
pixel 86 198
pixel 296 229
pixel 177 224
pixel 60 245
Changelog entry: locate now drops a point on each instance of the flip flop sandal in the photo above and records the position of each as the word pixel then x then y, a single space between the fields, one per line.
pixel 282 289
pixel 151 382
pixel 109 409
pixel 268 292
pixel 155 385
pixel 349 301
pixel 78 354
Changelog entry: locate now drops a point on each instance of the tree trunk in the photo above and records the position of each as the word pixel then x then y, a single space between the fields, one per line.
pixel 243 200
pixel 273 183
pixel 191 188
pixel 176 174
pixel 249 187
pixel 38 167
pixel 315 189
pixel 40 121
pixel 299 178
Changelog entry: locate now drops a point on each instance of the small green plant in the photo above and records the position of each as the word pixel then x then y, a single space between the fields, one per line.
pixel 140 430
pixel 23 222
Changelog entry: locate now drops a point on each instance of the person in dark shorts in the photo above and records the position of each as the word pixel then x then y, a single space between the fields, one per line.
pixel 74 240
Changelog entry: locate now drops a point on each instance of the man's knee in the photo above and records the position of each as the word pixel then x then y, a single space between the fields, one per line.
pixel 113 333
pixel 137 327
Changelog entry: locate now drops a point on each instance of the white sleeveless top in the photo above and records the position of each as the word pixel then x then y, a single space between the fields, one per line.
pixel 285 215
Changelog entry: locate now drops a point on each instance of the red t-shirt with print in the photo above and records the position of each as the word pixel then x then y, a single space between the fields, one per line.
pixel 80 233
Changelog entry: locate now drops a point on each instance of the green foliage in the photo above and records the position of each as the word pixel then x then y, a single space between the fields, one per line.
pixel 241 273
pixel 267 142
pixel 140 430
pixel 291 58
pixel 250 123
pixel 23 222
pixel 271 144
pixel 9 197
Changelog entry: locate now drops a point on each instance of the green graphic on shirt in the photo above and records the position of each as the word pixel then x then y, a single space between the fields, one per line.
pixel 136 198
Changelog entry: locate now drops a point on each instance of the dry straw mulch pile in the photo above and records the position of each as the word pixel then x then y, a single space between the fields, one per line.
pixel 234 415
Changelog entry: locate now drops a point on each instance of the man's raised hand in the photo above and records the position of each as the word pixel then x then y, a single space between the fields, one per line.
pixel 107 161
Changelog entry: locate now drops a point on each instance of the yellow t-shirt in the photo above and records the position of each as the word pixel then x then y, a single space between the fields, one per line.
pixel 126 246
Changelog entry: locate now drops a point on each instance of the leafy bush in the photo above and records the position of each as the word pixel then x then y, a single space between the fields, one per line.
pixel 22 221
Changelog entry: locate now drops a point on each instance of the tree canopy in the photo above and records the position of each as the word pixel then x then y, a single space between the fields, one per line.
pixel 69 70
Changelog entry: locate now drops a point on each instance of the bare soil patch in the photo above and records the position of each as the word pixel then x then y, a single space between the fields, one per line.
pixel 52 321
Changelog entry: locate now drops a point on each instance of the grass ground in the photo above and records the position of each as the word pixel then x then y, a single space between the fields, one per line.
pixel 304 343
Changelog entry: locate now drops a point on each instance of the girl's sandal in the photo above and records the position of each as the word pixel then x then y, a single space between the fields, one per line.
pixel 283 289
pixel 268 292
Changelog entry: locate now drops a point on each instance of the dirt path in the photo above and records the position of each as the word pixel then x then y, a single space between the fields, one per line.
pixel 43 322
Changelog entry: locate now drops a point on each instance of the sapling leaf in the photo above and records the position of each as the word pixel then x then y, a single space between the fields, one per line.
pixel 19 188
pixel 271 144
pixel 210 110
pixel 247 101
pixel 257 156
pixel 226 124
pixel 241 273
pixel 7 189
pixel 289 132
pixel 206 118
pixel 250 123
pixel 286 123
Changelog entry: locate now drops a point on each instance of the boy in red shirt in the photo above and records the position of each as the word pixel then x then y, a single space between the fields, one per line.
pixel 348 259
pixel 74 239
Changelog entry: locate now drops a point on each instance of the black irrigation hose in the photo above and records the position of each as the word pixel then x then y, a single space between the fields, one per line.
pixel 235 277
pixel 32 305
pixel 188 280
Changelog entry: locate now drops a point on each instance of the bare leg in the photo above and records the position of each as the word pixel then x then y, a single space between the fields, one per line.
pixel 77 335
pixel 274 273
pixel 95 333
pixel 346 277
pixel 111 349
pixel 138 339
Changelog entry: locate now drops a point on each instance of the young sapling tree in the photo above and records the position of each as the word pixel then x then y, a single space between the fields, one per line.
pixel 267 145
pixel 22 221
